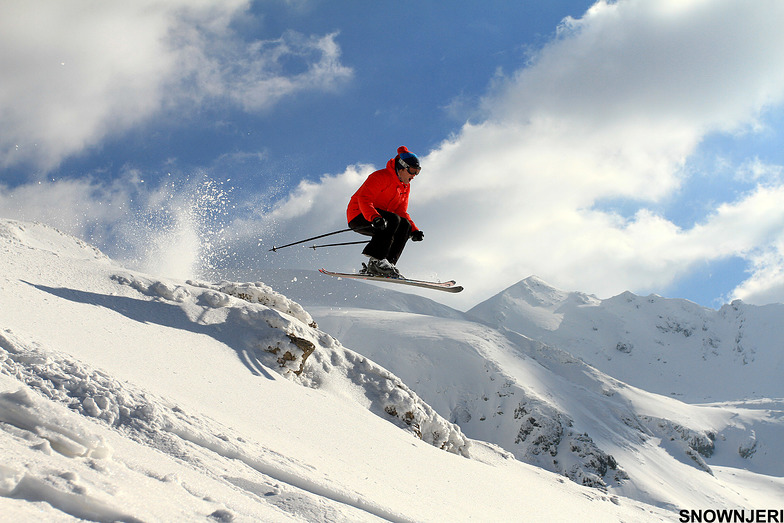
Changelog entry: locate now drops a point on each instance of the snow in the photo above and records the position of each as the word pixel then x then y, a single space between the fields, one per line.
pixel 129 397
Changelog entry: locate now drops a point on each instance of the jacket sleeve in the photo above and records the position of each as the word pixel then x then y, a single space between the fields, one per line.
pixel 367 194
pixel 402 210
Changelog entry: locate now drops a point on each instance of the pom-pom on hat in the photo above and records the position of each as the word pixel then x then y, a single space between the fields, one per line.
pixel 406 158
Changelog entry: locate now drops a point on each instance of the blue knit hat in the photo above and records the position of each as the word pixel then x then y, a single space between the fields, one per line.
pixel 406 158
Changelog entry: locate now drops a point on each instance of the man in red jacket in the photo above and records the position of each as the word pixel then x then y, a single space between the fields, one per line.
pixel 380 209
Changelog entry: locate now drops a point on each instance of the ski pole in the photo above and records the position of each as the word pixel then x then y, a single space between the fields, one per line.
pixel 314 247
pixel 275 249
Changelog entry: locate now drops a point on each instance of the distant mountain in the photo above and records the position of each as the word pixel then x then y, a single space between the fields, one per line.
pixel 668 346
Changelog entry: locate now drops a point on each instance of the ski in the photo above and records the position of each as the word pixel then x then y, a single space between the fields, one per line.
pixel 448 286
pixel 450 283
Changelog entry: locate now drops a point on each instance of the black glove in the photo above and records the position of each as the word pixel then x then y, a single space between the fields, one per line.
pixel 417 236
pixel 379 224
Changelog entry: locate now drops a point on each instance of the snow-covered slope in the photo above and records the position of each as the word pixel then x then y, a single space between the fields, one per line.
pixel 668 346
pixel 134 398
pixel 552 410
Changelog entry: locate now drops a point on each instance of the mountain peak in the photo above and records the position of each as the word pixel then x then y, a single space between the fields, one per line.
pixel 535 292
pixel 530 301
pixel 539 291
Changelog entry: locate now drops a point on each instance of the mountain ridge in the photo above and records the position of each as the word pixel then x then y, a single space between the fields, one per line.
pixel 652 342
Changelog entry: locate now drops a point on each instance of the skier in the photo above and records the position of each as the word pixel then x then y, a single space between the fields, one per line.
pixel 379 209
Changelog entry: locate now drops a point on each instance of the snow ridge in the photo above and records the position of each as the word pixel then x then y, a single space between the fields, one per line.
pixel 278 333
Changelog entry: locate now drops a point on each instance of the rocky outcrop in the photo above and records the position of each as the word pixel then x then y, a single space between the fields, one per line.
pixel 547 438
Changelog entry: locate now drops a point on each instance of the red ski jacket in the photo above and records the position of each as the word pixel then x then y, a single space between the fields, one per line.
pixel 382 190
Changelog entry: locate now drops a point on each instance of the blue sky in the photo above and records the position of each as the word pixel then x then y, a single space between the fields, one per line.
pixel 609 146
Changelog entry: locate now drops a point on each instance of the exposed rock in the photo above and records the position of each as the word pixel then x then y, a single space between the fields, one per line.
pixel 547 439
pixel 304 348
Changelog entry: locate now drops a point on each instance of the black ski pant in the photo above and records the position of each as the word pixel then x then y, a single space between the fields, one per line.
pixel 388 243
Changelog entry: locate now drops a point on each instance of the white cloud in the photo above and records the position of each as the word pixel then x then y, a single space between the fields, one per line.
pixel 77 71
pixel 320 200
pixel 754 170
pixel 609 110
pixel 754 228
pixel 766 284
pixel 679 62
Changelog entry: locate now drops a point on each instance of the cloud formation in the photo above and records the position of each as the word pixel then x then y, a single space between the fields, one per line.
pixel 87 69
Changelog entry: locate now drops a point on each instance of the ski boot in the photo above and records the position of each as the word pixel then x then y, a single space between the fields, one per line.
pixel 382 268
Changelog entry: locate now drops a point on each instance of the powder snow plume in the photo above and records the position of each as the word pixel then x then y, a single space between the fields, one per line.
pixel 180 231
